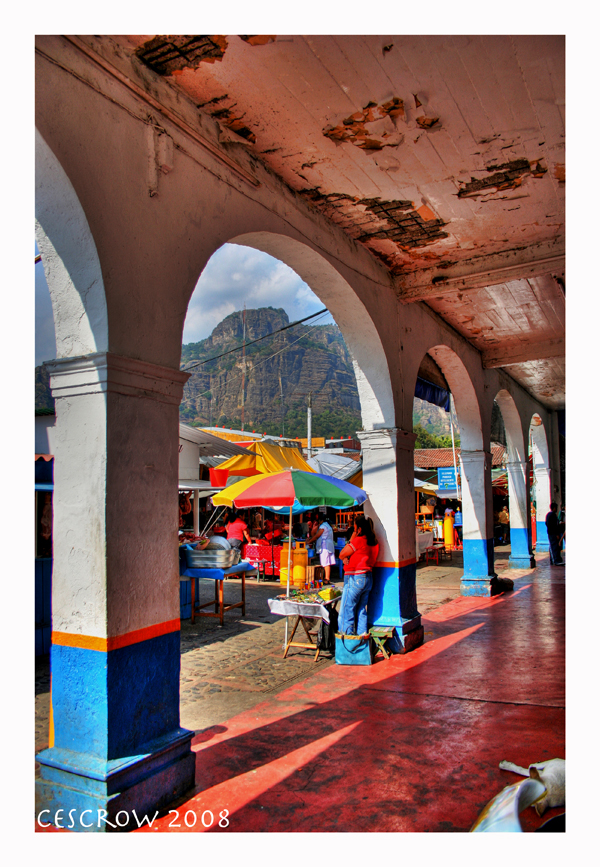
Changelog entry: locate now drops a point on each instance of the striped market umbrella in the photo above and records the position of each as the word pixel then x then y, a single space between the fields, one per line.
pixel 293 490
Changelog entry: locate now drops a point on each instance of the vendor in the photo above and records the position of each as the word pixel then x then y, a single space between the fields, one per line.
pixel 237 530
pixel 504 521
pixel 185 507
pixel 323 536
pixel 359 557
pixel 458 523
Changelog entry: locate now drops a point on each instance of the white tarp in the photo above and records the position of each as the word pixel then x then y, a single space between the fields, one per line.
pixel 330 464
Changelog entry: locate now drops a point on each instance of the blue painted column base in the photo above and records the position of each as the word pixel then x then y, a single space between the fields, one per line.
pixel 485 585
pixel 521 562
pixel 479 578
pixel 393 602
pixel 82 793
pixel 520 549
pixel 542 543
pixel 410 635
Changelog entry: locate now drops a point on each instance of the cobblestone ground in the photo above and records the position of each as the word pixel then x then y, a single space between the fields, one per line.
pixel 228 669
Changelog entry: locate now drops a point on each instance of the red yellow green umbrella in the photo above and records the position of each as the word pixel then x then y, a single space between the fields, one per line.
pixel 291 489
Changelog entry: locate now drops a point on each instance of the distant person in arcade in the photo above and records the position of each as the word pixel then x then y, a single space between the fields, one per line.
pixel 553 530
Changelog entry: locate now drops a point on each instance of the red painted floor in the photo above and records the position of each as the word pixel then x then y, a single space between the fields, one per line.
pixel 408 744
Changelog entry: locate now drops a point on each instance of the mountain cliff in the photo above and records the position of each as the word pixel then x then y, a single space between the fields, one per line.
pixel 268 386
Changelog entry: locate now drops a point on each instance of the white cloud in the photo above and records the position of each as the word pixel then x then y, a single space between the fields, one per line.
pixel 237 275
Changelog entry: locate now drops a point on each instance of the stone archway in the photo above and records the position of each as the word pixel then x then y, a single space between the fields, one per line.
pixel 70 260
pixel 115 737
pixel 385 475
pixel 521 556
pixel 478 578
pixel 350 314
pixel 538 443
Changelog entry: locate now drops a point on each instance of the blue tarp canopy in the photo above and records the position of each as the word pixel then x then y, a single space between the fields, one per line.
pixel 425 390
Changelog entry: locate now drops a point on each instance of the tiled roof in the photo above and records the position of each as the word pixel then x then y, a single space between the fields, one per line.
pixel 433 458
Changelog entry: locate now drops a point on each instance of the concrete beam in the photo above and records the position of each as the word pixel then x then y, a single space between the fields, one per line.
pixel 481 271
pixel 554 348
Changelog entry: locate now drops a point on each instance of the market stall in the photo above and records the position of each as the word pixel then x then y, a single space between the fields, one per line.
pixel 291 490
pixel 304 608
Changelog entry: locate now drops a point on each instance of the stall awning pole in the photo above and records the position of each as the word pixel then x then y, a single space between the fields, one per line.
pixel 287 619
pixel 196 513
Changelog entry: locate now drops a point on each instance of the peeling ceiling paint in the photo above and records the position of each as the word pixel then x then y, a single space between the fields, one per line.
pixel 168 55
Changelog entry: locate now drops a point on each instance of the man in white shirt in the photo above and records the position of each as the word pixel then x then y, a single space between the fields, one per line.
pixel 323 536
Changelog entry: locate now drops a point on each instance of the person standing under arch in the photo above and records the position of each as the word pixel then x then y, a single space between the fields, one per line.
pixel 322 534
pixel 553 530
pixel 359 557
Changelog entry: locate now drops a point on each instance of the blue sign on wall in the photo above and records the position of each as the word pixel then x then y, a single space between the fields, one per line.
pixel 446 478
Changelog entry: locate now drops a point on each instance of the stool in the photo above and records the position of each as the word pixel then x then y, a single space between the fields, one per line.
pixel 380 635
pixel 433 553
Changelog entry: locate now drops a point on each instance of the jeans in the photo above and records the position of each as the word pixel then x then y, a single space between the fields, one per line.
pixel 353 610
pixel 555 555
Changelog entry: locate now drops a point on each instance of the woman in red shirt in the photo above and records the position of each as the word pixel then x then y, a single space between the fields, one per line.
pixel 359 557
pixel 237 531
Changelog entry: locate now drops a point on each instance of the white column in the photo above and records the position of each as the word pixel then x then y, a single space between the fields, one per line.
pixel 115 652
pixel 521 556
pixel 388 478
pixel 479 578
pixel 542 506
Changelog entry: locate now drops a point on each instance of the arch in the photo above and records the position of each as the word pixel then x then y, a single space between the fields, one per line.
pixel 70 260
pixel 465 397
pixel 515 441
pixel 539 442
pixel 541 474
pixel 517 468
pixel 351 315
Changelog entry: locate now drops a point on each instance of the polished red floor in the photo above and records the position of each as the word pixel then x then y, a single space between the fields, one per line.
pixel 408 744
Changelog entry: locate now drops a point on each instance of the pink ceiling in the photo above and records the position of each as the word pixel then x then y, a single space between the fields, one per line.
pixel 434 152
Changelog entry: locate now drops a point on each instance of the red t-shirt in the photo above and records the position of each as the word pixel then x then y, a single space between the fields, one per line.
pixel 235 529
pixel 363 557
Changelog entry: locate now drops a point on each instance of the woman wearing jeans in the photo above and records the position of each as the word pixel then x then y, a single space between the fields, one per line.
pixel 359 557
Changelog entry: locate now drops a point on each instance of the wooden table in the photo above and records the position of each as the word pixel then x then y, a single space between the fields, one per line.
pixel 242 570
pixel 302 611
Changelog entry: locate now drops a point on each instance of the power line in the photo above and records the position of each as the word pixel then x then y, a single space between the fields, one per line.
pixel 242 345
pixel 263 361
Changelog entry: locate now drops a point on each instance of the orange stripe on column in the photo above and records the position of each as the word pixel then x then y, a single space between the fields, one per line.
pixel 92 642
pixel 397 564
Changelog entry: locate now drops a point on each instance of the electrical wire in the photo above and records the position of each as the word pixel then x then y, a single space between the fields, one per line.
pixel 258 363
pixel 252 342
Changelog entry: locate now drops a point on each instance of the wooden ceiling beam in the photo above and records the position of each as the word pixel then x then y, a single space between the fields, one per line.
pixel 482 271
pixel 554 348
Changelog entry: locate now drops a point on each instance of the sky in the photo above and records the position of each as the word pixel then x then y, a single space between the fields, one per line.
pixel 234 276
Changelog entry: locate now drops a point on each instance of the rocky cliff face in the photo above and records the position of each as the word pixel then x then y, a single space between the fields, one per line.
pixel 433 418
pixel 270 395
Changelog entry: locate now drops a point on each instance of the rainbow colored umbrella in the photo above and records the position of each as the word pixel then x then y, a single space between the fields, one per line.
pixel 291 489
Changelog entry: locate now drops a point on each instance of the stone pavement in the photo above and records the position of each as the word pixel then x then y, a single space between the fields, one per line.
pixel 226 670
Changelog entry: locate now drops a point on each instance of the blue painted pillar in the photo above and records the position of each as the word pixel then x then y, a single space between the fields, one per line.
pixel 388 478
pixel 117 752
pixel 542 506
pixel 519 507
pixel 479 578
